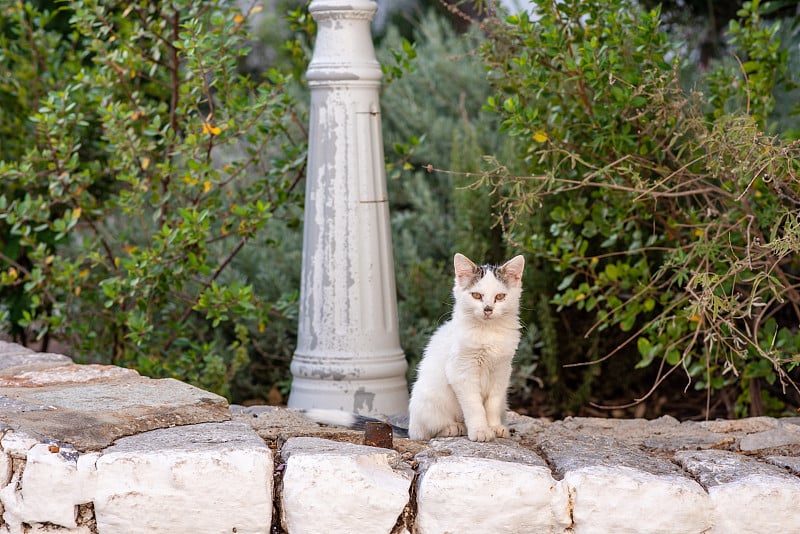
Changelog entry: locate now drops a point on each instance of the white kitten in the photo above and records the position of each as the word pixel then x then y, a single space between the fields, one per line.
pixel 464 373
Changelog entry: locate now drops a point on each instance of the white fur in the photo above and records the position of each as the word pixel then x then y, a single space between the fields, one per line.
pixel 330 417
pixel 464 372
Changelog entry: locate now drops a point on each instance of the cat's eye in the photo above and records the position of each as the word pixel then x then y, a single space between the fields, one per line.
pixel 477 296
pixel 499 297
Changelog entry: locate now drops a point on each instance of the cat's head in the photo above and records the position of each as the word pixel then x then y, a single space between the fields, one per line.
pixel 488 292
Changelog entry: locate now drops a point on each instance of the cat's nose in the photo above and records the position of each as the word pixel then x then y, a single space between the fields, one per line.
pixel 487 311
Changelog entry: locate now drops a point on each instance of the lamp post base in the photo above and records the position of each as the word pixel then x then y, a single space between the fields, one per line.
pixel 375 385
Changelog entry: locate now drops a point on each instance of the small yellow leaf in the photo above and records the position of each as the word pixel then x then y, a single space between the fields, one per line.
pixel 540 136
pixel 211 129
pixel 257 8
pixel 84 273
pixel 145 163
pixel 695 318
pixel 76 213
pixel 698 233
pixel 78 291
pixel 12 273
pixel 206 186
pixel 238 18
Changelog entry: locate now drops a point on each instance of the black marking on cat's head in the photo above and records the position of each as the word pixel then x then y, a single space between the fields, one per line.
pixel 483 270
pixel 468 274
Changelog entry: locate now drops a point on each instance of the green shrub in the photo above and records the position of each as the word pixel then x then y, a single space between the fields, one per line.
pixel 668 219
pixel 138 163
pixel 432 116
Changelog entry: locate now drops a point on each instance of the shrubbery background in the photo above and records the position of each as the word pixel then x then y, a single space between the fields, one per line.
pixel 153 155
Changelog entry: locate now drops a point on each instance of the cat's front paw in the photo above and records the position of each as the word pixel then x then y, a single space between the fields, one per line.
pixel 453 430
pixel 481 434
pixel 500 431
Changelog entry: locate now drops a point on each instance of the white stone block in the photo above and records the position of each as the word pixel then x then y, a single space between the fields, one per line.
pixel 17 444
pixel 51 486
pixel 49 529
pixel 5 468
pixel 621 499
pixel 756 503
pixel 11 504
pixel 87 475
pixel 746 495
pixel 464 494
pixel 207 478
pixel 341 487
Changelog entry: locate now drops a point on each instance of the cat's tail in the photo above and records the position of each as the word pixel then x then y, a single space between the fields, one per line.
pixel 354 421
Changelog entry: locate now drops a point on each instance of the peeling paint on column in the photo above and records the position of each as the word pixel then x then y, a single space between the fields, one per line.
pixel 362 401
pixel 348 349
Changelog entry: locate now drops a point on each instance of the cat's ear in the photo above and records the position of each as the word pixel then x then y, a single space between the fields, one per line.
pixel 512 270
pixel 465 269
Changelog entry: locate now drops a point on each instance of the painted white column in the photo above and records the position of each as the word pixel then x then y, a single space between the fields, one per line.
pixel 348 353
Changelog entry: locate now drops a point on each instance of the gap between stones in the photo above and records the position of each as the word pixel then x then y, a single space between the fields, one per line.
pixel 405 521
pixel 539 451
pixel 277 489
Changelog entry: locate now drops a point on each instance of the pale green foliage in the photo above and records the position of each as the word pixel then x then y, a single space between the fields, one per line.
pixel 432 115
pixel 121 211
pixel 672 230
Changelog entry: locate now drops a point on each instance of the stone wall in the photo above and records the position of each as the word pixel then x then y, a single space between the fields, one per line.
pixel 101 450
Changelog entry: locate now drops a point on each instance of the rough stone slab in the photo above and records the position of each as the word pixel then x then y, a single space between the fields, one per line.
pixel 568 453
pixel 792 463
pixel 14 361
pixel 783 436
pixel 342 487
pixel 12 349
pixel 663 434
pixel 205 478
pixel 746 495
pixel 504 450
pixel 523 424
pixel 487 487
pixel 65 374
pixel 617 488
pixel 277 424
pixel 274 422
pixel 746 426
pixel 91 415
pixel 790 420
